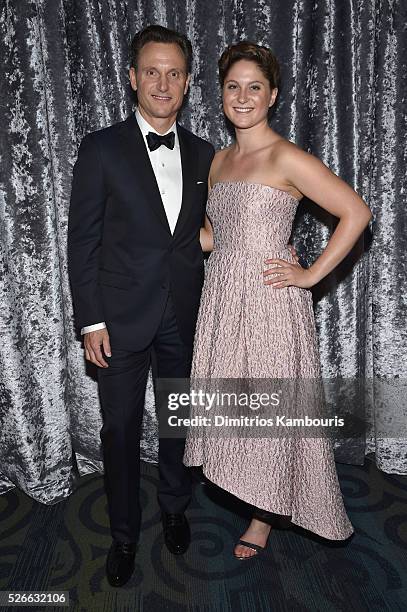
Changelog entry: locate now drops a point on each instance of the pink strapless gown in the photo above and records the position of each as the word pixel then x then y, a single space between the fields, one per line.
pixel 249 330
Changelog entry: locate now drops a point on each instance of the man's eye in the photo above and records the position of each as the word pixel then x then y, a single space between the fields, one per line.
pixel 256 87
pixel 174 74
pixel 151 72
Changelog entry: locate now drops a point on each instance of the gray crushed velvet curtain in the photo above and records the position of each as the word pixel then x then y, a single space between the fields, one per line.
pixel 64 73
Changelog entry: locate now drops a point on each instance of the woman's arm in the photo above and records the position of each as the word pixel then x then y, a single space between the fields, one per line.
pixel 312 178
pixel 206 236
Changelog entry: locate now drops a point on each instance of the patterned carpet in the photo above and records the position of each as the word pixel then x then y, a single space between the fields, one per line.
pixel 63 547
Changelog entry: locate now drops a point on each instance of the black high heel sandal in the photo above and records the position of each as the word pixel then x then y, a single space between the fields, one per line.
pixel 264 517
pixel 278 521
pixel 258 549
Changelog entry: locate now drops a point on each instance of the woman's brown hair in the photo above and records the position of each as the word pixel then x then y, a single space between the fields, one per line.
pixel 246 50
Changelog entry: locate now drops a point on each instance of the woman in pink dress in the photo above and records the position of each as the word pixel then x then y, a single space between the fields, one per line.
pixel 256 324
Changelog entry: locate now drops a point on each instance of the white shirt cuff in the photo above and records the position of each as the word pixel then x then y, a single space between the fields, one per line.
pixel 90 328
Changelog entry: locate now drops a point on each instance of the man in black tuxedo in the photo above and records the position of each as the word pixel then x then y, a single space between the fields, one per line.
pixel 136 268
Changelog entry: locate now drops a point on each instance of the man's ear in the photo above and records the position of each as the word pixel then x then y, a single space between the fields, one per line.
pixel 133 78
pixel 187 82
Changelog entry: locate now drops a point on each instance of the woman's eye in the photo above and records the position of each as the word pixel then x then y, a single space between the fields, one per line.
pixel 256 87
pixel 231 86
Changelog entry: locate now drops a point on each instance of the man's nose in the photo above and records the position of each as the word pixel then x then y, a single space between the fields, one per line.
pixel 163 82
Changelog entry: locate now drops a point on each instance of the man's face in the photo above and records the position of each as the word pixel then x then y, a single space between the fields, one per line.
pixel 161 80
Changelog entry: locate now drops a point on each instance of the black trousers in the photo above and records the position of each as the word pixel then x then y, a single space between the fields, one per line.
pixel 122 389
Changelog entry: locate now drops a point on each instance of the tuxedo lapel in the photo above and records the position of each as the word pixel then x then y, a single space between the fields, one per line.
pixel 188 162
pixel 141 167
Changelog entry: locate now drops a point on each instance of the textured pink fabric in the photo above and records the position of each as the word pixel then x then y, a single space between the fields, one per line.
pixel 248 330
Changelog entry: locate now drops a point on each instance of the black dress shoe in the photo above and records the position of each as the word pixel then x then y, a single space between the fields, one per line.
pixel 120 562
pixel 177 534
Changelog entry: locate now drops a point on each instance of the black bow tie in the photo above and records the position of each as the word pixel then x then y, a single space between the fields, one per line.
pixel 155 141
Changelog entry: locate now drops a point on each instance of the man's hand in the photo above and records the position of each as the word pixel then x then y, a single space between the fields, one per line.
pixel 93 341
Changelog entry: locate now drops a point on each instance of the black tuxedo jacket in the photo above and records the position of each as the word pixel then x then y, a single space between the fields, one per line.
pixel 122 258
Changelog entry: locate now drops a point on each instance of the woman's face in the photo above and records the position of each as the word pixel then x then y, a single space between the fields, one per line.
pixel 247 95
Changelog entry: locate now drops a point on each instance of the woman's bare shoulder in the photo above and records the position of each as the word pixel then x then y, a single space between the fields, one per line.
pixel 218 160
pixel 283 146
pixel 286 150
pixel 220 153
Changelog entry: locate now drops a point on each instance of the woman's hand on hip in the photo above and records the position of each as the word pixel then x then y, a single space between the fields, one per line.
pixel 287 274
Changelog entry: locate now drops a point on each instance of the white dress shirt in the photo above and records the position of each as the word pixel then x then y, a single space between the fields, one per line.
pixel 167 168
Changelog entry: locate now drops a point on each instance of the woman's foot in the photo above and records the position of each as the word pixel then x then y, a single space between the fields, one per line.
pixel 257 533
